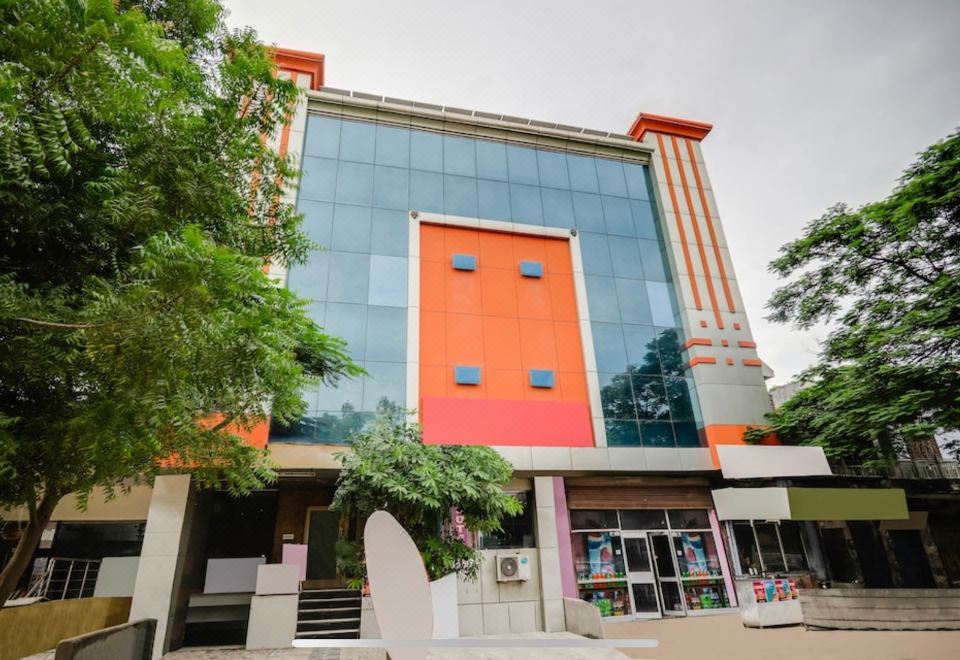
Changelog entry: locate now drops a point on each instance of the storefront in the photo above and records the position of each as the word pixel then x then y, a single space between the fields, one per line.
pixel 648 552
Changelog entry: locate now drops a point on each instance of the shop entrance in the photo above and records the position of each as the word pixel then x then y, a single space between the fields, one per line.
pixel 643 588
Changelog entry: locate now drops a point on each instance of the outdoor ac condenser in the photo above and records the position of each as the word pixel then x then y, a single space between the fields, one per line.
pixel 513 567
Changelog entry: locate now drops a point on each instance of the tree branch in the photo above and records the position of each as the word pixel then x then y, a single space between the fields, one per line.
pixel 54 324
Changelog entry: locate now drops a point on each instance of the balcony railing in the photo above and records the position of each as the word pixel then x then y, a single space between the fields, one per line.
pixel 916 469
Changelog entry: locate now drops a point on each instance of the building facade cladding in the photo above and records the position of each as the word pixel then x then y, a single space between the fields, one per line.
pixel 360 181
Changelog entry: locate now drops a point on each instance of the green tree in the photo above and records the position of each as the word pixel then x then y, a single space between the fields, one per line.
pixel 887 276
pixel 138 330
pixel 390 469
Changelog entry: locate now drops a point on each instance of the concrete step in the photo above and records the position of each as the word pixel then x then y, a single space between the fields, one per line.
pixel 329 624
pixel 327 613
pixel 348 633
pixel 320 603
pixel 330 593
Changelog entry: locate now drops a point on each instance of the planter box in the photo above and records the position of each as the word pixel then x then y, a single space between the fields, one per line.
pixel 881 609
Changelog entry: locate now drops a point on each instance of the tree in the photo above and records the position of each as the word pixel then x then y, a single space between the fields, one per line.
pixel 390 469
pixel 887 275
pixel 138 329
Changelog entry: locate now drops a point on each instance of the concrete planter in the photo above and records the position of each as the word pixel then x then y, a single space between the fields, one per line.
pixel 881 609
pixel 446 621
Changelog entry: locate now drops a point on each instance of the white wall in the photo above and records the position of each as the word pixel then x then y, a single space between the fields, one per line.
pixel 488 607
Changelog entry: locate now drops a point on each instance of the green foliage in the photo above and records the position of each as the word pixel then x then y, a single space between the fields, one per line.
pixel 390 469
pixel 349 558
pixel 140 204
pixel 887 275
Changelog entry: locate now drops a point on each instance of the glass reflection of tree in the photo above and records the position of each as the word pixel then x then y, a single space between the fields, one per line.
pixel 331 427
pixel 651 390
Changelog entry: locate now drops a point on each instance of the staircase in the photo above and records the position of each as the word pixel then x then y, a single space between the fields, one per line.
pixel 329 614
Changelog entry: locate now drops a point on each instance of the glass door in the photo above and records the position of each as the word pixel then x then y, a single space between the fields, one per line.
pixel 668 581
pixel 643 589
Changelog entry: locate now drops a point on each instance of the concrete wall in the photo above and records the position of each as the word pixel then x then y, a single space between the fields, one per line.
pixel 488 607
pixel 34 628
pixel 125 507
pixel 129 641
pixel 881 609
pixel 117 576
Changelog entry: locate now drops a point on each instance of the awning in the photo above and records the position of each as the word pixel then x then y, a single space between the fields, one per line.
pixel 771 461
pixel 810 504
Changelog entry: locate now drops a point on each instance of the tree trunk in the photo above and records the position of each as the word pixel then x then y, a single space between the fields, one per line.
pixel 29 540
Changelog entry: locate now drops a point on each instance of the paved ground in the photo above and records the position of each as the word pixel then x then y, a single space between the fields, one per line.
pixel 722 636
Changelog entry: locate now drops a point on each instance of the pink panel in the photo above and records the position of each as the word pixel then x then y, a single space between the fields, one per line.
pixel 722 556
pixel 455 421
pixel 568 579
pixel 295 553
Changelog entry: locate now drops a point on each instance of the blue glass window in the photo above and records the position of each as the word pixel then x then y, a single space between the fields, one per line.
pixel 350 323
pixel 386 334
pixel 652 259
pixel 349 273
pixel 390 233
pixel 393 146
pixel 617 217
pixel 583 173
pixel 426 151
pixel 644 224
pixel 355 184
pixel 525 204
pixel 671 354
pixel 531 269
pixel 552 167
pixel 622 433
pixel 347 392
pixel 657 434
pixel 626 258
pixel 460 195
pixel 610 176
pixel 522 165
pixel 492 160
pixel 464 262
pixel 642 351
pixel 541 378
pixel 317 221
pixel 351 228
pixel 357 141
pixel 463 375
pixel 459 156
pixel 391 187
pixel 650 396
pixel 426 191
pixel 310 281
pixel 388 281
pixel 661 305
pixel 494 199
pixel 319 179
pixel 634 307
pixel 608 346
pixel 557 208
pixel 384 384
pixel 687 434
pixel 595 254
pixel 323 137
pixel 602 299
pixel 616 396
pixel 636 176
pixel 678 396
pixel 588 211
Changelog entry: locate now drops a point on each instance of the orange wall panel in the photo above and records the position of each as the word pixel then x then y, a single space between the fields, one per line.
pixel 501 342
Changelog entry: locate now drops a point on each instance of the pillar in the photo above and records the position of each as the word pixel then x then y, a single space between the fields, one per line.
pixel 550 581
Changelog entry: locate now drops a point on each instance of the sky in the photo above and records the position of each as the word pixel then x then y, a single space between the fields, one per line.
pixel 813 102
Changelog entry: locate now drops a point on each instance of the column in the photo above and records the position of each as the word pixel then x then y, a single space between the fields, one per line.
pixel 550 581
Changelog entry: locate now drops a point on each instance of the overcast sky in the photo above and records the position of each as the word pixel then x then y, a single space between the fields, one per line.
pixel 813 102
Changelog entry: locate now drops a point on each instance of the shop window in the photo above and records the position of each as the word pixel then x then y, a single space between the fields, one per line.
pixel 517 530
pixel 747 549
pixel 793 546
pixel 769 547
pixel 643 519
pixel 769 544
pixel 594 519
pixel 689 519
pixel 601 574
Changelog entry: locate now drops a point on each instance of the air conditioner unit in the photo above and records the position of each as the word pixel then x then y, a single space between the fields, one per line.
pixel 513 567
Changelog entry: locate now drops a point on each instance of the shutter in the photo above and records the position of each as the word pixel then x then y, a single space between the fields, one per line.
pixel 639 497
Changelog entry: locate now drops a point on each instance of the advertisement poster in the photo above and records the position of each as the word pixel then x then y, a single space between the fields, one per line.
pixel 693 550
pixel 600 552
pixel 774 591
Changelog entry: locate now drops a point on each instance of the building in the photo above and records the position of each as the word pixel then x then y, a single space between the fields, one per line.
pixel 564 295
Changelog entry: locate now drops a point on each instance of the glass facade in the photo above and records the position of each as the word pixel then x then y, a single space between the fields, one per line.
pixel 359 182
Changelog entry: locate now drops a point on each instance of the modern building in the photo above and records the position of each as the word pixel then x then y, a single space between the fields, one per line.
pixel 562 294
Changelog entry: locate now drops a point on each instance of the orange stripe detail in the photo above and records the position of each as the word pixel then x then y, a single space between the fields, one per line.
pixel 697 341
pixel 752 362
pixel 680 230
pixel 730 434
pixel 703 324
pixel 730 361
pixel 669 126
pixel 747 344
pixel 696 233
pixel 710 230
pixel 702 360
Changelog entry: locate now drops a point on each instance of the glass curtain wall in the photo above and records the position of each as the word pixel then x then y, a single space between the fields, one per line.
pixel 358 184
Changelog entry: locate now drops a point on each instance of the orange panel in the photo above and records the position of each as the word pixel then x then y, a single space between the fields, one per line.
pixel 466 391
pixel 433 380
pixel 537 345
pixel 496 251
pixel 505 384
pixel 573 386
pixel 462 241
pixel 501 342
pixel 433 338
pixel 432 295
pixel 730 434
pixel 563 300
pixel 461 290
pixel 702 360
pixel 531 393
pixel 746 344
pixel 528 248
pixel 533 297
pixel 697 341
pixel 499 293
pixel 569 346
pixel 752 362
pixel 558 256
pixel 464 340
pixel 431 243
